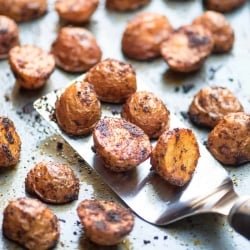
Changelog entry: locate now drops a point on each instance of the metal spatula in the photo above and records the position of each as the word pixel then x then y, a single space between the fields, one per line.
pixel 149 196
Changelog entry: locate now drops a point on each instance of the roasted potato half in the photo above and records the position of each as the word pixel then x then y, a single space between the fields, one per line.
pixel 148 112
pixel 210 104
pixel 186 48
pixel 52 182
pixel 78 109
pixel 105 222
pixel 125 5
pixel 31 224
pixel 175 156
pixel 223 5
pixel 121 144
pixel 10 143
pixel 229 141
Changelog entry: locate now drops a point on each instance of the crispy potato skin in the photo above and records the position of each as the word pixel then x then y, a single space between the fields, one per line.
pixel 223 5
pixel 125 5
pixel 78 110
pixel 229 141
pixel 52 183
pixel 187 48
pixel 10 143
pixel 105 222
pixel 76 11
pixel 31 65
pixel 9 35
pixel 220 29
pixel 114 81
pixel 121 144
pixel 23 10
pixel 210 104
pixel 31 224
pixel 144 34
pixel 148 112
pixel 175 156
pixel 75 49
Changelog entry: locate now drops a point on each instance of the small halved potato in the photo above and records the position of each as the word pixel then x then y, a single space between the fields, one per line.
pixel 175 156
pixel 125 5
pixel 223 5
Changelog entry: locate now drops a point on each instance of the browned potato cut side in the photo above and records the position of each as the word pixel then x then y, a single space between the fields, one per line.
pixel 223 5
pixel 175 156
pixel 125 5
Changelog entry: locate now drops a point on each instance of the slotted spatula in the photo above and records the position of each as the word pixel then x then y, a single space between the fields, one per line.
pixel 150 197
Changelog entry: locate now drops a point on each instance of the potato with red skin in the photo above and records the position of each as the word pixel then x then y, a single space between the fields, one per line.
pixel 76 11
pixel 105 222
pixel 210 104
pixel 175 156
pixel 144 34
pixel 220 29
pixel 31 224
pixel 78 109
pixel 9 35
pixel 187 48
pixel 23 10
pixel 10 143
pixel 121 145
pixel 223 5
pixel 52 182
pixel 31 65
pixel 125 5
pixel 229 141
pixel 114 81
pixel 75 49
pixel 148 112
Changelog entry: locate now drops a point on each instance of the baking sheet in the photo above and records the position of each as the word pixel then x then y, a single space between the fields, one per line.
pixel 40 142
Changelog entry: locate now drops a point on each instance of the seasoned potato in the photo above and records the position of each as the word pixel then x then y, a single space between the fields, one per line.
pixel 32 66
pixel 10 143
pixel 223 5
pixel 144 34
pixel 148 112
pixel 210 104
pixel 105 222
pixel 75 49
pixel 76 11
pixel 125 5
pixel 187 48
pixel 114 81
pixel 175 156
pixel 78 110
pixel 229 141
pixel 9 36
pixel 52 182
pixel 121 144
pixel 31 224
pixel 220 29
pixel 23 10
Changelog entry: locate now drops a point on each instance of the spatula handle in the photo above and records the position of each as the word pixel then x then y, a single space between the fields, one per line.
pixel 239 217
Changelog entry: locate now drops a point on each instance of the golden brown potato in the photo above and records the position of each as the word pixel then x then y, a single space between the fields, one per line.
pixel 31 224
pixel 78 110
pixel 210 104
pixel 52 182
pixel 75 49
pixel 229 141
pixel 32 66
pixel 187 48
pixel 9 35
pixel 148 112
pixel 125 5
pixel 76 11
pixel 223 5
pixel 10 143
pixel 23 10
pixel 114 81
pixel 144 34
pixel 220 29
pixel 105 222
pixel 175 156
pixel 121 144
